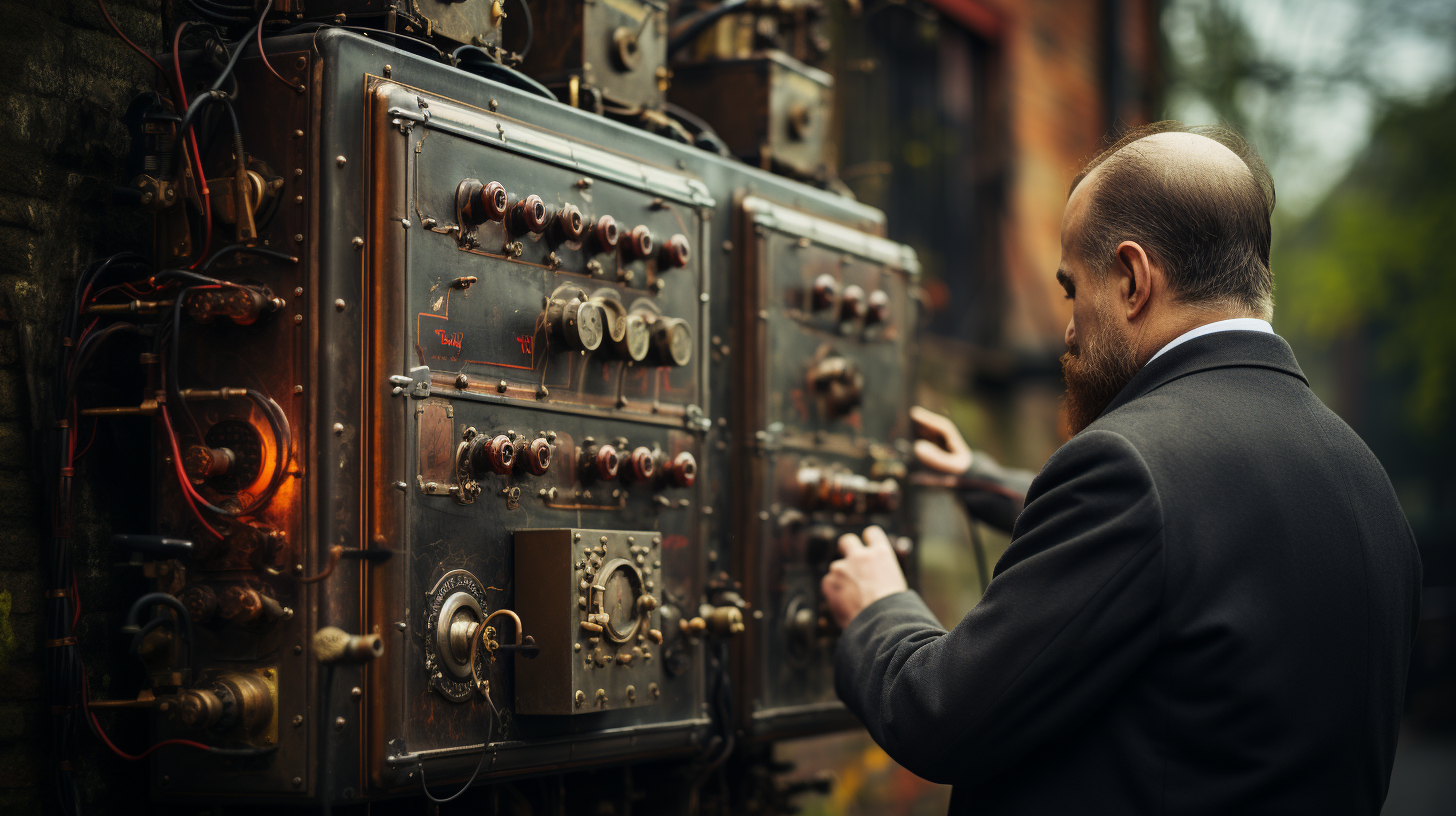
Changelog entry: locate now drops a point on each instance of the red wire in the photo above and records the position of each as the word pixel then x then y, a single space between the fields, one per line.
pixel 114 27
pixel 269 65
pixel 78 456
pixel 196 153
pixel 96 726
pixel 187 491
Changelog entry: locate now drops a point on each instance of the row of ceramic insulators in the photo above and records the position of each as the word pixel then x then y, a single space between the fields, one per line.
pixel 502 454
pixel 854 304
pixel 480 203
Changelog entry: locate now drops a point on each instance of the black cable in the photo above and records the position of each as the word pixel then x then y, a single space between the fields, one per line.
pixel 473 60
pixel 218 16
pixel 703 130
pixel 213 94
pixel 530 30
pixel 689 27
pixel 235 249
pixel 429 49
pixel 163 599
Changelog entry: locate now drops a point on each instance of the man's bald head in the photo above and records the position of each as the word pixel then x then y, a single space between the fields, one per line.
pixel 1198 200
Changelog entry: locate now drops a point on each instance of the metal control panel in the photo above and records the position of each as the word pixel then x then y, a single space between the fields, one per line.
pixel 523 437
pixel 825 331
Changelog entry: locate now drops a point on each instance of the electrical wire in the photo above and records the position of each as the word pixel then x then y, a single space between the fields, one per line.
pixel 263 55
pixel 196 152
pixel 101 4
pixel 690 26
pixel 530 30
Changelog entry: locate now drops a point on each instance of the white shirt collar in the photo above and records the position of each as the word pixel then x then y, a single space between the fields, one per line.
pixel 1235 324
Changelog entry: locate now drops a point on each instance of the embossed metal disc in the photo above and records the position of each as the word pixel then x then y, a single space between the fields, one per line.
pixel 456 590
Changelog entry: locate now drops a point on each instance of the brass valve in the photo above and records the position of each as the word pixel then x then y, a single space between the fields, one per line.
pixel 234 699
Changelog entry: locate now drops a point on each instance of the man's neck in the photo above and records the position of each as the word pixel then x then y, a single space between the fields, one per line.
pixel 1160 330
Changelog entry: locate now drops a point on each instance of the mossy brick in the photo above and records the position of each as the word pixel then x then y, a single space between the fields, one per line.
pixel 9 341
pixel 20 679
pixel 27 171
pixel 24 589
pixel 20 543
pixel 26 212
pixel 12 394
pixel 19 250
pixel 18 497
pixel 14 446
pixel 38 122
pixel 44 68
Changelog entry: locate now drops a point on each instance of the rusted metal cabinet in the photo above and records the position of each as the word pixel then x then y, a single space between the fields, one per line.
pixel 473 363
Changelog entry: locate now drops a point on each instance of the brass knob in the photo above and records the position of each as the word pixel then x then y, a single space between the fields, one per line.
pixel 726 620
pixel 693 626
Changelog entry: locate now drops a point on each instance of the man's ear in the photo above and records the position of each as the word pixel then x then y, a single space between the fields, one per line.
pixel 1135 278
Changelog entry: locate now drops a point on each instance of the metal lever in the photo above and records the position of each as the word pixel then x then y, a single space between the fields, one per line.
pixel 527 648
pixel 156 546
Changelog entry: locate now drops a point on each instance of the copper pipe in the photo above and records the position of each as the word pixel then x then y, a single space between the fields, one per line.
pixel 335 553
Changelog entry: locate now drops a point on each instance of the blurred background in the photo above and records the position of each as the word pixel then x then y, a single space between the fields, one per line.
pixel 987 108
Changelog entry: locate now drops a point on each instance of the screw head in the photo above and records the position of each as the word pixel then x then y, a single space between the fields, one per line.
pixel 340 160
pixel 338 428
pixel 339 304
pixel 297 720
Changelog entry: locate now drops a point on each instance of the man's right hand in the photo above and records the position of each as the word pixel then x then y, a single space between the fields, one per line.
pixel 940 446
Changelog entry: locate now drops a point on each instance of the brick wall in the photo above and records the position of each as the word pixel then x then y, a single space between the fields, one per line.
pixel 62 151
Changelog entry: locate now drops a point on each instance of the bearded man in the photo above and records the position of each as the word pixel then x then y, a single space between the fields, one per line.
pixel 1209 600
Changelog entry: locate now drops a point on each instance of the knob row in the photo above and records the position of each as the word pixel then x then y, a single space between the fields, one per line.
pixel 478 203
pixel 606 463
pixel 853 303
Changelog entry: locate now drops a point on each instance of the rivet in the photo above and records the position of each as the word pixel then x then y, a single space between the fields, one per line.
pixel 357 242
pixel 301 63
pixel 298 199
pixel 298 649
pixel 339 304
pixel 338 428
pixel 298 236
pixel 298 389
pixel 462 381
pixel 340 161
pixel 298 134
pixel 297 319
pixel 298 171
pixel 339 723
pixel 388 69
pixel 297 781
pixel 501 386
pixel 356 692
pixel 297 720
pixel 298 291
pixel 494 104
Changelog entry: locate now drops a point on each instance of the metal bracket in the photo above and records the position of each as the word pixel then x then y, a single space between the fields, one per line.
pixel 417 381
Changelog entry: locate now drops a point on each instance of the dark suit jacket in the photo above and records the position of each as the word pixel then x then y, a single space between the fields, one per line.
pixel 1207 607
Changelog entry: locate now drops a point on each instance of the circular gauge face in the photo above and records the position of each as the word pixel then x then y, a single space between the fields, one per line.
pixel 638 337
pixel 589 328
pixel 622 588
pixel 247 446
pixel 680 343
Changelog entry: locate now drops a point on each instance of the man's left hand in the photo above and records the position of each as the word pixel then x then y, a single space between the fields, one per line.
pixel 868 572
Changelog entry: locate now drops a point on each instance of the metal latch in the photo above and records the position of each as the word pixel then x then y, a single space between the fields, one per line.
pixel 417 381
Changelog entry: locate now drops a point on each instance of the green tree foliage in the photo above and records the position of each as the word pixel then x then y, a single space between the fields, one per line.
pixel 1376 258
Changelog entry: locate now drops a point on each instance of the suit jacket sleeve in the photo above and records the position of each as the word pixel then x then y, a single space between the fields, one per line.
pixel 1071 612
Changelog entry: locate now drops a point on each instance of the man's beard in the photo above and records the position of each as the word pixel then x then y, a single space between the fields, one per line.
pixel 1095 372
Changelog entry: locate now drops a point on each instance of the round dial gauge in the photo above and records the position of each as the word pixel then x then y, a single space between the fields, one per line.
pixel 587 320
pixel 674 341
pixel 637 337
pixel 620 596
